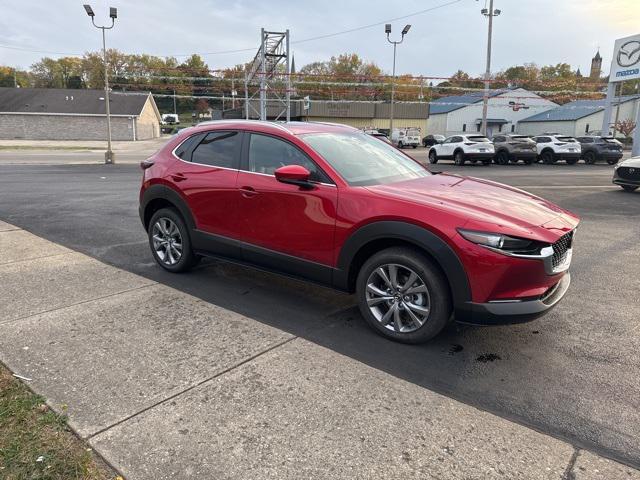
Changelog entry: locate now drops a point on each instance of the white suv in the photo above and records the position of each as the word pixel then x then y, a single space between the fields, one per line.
pixel 461 148
pixel 552 148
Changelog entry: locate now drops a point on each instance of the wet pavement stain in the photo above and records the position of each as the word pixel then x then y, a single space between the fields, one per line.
pixel 488 357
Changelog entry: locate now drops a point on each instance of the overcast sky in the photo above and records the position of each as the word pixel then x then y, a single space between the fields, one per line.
pixel 440 41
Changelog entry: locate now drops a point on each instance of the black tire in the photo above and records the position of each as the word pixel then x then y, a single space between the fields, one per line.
pixel 414 146
pixel 187 258
pixel 589 158
pixel 547 157
pixel 501 158
pixel 612 161
pixel 433 157
pixel 571 161
pixel 629 188
pixel 437 296
pixel 458 158
pixel 400 145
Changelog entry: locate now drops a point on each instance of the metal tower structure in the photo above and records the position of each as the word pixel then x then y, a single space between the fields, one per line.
pixel 265 70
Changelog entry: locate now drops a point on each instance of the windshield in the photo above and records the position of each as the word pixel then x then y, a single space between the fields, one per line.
pixel 478 138
pixel 362 160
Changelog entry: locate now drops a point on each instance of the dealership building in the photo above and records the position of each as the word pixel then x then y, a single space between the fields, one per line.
pixel 359 114
pixel 580 117
pixel 75 114
pixel 463 113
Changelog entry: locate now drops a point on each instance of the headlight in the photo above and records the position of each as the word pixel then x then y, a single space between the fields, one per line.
pixel 503 243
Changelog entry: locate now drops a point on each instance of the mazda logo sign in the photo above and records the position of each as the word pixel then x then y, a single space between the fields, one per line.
pixel 632 170
pixel 629 54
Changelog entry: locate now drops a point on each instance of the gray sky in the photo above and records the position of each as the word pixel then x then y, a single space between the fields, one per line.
pixel 440 41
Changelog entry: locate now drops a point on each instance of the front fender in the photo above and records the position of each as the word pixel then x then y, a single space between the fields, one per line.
pixel 423 239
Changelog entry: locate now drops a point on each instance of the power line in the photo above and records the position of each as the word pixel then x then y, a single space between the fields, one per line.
pixel 252 49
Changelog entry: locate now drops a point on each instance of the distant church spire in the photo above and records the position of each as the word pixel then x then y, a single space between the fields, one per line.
pixel 596 66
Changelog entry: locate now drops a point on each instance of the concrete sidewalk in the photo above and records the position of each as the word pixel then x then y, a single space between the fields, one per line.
pixel 165 385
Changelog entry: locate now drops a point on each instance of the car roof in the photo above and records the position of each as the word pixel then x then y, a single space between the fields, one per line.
pixel 294 128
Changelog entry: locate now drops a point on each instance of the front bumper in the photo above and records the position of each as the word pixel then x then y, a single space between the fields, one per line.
pixel 626 178
pixel 512 311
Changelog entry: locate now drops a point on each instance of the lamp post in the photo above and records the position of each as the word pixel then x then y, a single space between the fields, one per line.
pixel 387 30
pixel 109 156
pixel 490 13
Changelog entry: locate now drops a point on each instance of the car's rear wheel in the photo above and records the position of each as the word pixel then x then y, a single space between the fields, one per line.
pixel 433 157
pixel 501 158
pixel 400 145
pixel 458 158
pixel 589 158
pixel 169 241
pixel 629 188
pixel 547 157
pixel 403 296
pixel 414 146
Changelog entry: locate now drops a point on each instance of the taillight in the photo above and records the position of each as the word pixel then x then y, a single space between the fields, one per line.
pixel 146 164
pixel 558 143
pixel 469 143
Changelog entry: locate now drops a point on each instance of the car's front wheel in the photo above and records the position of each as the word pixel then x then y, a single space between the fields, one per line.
pixel 433 157
pixel 169 241
pixel 589 158
pixel 403 295
pixel 458 158
pixel 629 188
pixel 612 161
pixel 501 158
pixel 400 145
pixel 548 157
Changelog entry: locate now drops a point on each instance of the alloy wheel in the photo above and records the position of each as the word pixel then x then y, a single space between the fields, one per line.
pixel 167 241
pixel 398 298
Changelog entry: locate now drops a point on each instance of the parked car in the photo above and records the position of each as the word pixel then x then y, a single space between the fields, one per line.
pixel 596 148
pixel 463 148
pixel 552 148
pixel 330 204
pixel 377 134
pixel 169 119
pixel 511 148
pixel 431 140
pixel 405 137
pixel 627 174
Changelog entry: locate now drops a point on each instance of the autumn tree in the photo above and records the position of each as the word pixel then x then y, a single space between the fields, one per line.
pixel 626 127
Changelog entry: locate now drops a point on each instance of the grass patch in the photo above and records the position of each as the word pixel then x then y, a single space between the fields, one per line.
pixel 36 443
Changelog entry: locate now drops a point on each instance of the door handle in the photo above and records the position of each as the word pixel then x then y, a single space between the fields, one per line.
pixel 178 177
pixel 248 192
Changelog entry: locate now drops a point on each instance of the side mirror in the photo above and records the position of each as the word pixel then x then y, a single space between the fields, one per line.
pixel 294 175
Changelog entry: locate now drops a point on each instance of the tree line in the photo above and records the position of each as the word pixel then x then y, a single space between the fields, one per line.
pixel 345 76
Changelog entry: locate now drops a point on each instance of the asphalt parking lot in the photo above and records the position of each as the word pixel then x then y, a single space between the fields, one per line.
pixel 573 374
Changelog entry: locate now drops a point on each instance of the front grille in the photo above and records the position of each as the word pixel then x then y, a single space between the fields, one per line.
pixel 560 249
pixel 629 173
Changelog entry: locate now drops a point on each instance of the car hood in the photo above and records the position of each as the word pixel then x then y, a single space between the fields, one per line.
pixel 630 162
pixel 480 201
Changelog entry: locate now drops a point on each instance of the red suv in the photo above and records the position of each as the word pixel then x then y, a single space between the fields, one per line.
pixel 330 204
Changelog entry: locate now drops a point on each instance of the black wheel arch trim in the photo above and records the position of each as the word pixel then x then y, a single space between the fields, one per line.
pixel 420 237
pixel 164 192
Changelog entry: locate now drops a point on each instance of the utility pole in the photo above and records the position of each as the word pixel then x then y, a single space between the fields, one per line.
pixel 490 13
pixel 387 30
pixel 175 110
pixel 15 78
pixel 109 157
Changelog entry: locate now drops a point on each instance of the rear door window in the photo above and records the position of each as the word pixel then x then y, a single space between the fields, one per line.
pixel 219 149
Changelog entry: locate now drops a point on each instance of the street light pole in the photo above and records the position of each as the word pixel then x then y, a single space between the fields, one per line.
pixel 109 157
pixel 387 30
pixel 490 13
